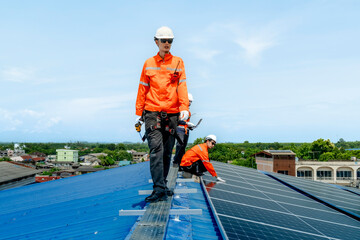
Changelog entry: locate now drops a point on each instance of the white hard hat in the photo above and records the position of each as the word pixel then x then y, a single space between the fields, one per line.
pixel 190 96
pixel 210 137
pixel 164 32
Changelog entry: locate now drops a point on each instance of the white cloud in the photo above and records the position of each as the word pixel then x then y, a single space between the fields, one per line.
pixel 15 74
pixel 22 75
pixel 254 47
pixel 8 122
pixel 87 111
pixel 252 40
pixel 26 120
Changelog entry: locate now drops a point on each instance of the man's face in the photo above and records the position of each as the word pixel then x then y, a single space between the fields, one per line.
pixel 164 45
pixel 210 144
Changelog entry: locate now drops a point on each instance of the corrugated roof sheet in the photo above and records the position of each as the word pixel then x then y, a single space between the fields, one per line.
pixel 87 207
pixel 81 207
pixel 11 171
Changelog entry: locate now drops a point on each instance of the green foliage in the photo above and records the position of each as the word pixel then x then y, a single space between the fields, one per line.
pixel 303 151
pixel 250 162
pixel 106 160
pixel 197 141
pixel 114 156
pixel 321 146
pixel 83 147
pixel 327 156
pixel 243 153
pixel 50 172
pixel 123 155
pixel 98 166
pixel 5 159
pixel 121 146
pixel 120 155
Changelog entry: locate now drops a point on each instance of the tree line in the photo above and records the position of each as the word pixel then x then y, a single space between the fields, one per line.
pixel 239 153
pixel 319 150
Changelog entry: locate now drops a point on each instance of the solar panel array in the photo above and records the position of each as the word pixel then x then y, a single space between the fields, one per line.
pixel 279 151
pixel 251 205
pixel 326 192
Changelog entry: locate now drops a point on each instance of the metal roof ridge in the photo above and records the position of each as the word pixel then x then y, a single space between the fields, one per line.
pixel 215 215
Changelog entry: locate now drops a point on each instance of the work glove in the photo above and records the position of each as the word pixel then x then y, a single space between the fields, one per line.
pixel 138 123
pixel 139 120
pixel 220 179
pixel 191 125
pixel 184 115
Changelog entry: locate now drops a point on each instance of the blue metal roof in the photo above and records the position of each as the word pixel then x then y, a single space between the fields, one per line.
pixel 87 207
pixel 192 227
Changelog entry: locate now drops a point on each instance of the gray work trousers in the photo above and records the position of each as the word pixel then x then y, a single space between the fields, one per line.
pixel 161 143
pixel 180 149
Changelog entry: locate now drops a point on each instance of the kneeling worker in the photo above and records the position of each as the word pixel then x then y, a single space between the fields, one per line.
pixel 196 160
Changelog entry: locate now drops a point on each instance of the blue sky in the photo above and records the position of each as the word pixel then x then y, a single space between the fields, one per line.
pixel 259 71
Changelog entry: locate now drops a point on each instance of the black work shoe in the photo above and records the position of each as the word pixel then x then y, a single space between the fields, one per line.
pixel 156 197
pixel 148 197
pixel 169 192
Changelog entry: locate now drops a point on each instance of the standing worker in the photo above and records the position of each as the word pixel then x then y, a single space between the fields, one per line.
pixel 183 132
pixel 196 160
pixel 162 97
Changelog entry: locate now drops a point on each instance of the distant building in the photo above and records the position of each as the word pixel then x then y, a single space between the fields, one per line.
pixel 7 153
pixel 54 176
pixel 139 156
pixel 278 161
pixel 3 154
pixel 15 175
pixel 16 159
pixel 27 158
pixel 38 159
pixel 87 169
pixel 38 154
pixel 67 155
pixel 51 158
pixel 345 173
pixel 10 152
pixel 336 172
pixel 19 149
pixel 92 159
pixel 45 178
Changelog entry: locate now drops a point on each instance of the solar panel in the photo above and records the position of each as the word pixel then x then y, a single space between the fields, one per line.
pixel 279 151
pixel 352 190
pixel 252 205
pixel 327 192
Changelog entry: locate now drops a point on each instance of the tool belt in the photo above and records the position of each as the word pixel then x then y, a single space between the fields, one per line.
pixel 162 123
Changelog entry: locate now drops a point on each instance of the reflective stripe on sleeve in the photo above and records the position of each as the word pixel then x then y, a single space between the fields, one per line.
pixel 173 69
pixel 200 147
pixel 152 68
pixel 145 84
pixel 183 80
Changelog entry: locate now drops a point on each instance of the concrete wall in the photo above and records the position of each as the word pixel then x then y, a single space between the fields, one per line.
pixel 332 166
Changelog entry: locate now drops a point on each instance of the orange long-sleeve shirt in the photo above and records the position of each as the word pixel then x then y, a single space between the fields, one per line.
pixel 156 91
pixel 198 152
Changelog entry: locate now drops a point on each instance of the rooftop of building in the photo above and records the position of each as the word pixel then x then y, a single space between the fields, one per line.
pixel 11 171
pixel 250 205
